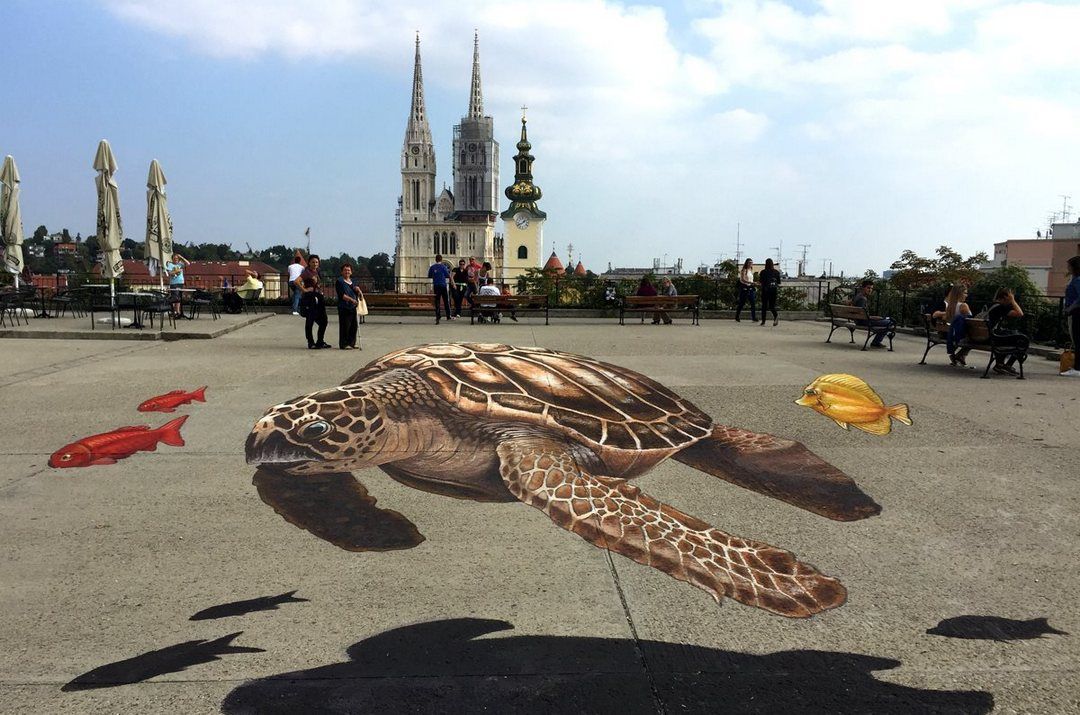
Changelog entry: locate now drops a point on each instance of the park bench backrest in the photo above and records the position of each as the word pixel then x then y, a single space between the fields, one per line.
pixel 848 312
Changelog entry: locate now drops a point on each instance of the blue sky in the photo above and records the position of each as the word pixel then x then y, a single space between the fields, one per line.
pixel 859 127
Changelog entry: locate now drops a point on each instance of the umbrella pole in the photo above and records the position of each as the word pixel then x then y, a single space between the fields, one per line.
pixel 112 300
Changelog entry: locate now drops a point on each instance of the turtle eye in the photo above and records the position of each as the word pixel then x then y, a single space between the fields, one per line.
pixel 314 430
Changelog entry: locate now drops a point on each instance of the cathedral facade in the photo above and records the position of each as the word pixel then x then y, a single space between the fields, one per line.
pixel 460 223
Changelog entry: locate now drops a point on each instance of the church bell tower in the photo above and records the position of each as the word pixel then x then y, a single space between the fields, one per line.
pixel 523 219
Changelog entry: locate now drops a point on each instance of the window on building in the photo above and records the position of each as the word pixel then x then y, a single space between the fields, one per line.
pixel 523 253
pixel 453 243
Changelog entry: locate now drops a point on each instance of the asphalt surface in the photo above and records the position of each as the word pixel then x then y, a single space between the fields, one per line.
pixel 102 568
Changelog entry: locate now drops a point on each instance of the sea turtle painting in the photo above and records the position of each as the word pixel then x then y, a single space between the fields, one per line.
pixel 559 432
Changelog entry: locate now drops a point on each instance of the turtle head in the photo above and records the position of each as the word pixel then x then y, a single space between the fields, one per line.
pixel 335 430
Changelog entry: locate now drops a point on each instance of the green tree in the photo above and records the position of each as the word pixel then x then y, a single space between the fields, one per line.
pixel 381 267
pixel 914 271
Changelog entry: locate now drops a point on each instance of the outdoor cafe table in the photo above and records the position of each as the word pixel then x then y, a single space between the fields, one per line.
pixel 184 290
pixel 135 295
pixel 44 313
pixel 95 286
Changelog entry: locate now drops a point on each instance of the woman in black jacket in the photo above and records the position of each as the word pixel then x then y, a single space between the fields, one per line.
pixel 770 287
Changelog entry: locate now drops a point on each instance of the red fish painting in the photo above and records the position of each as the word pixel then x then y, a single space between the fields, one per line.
pixel 121 443
pixel 171 400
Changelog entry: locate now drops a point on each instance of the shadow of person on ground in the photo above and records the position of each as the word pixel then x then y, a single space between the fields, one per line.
pixel 447 666
pixel 240 608
pixel 172 659
pixel 993 628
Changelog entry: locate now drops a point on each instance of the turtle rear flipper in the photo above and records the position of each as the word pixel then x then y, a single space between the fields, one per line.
pixel 782 469
pixel 615 515
pixel 336 508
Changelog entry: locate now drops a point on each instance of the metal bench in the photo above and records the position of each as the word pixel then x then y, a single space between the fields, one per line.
pixel 855 318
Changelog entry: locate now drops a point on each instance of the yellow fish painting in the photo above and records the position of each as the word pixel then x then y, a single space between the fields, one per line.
pixel 847 400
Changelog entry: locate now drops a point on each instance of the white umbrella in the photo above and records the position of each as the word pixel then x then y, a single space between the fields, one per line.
pixel 159 245
pixel 110 232
pixel 11 219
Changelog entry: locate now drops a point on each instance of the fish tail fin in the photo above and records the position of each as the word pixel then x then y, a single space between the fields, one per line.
pixel 199 395
pixel 900 413
pixel 1045 623
pixel 170 432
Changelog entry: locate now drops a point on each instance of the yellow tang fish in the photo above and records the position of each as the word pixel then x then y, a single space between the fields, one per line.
pixel 847 400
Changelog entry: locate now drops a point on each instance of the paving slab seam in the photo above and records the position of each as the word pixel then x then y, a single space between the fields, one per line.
pixel 660 707
pixel 67 365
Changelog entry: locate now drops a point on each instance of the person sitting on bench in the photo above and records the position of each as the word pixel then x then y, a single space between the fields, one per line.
pixel 881 326
pixel 1005 306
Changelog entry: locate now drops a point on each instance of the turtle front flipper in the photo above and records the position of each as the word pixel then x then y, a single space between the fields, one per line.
pixel 615 515
pixel 337 508
pixel 782 469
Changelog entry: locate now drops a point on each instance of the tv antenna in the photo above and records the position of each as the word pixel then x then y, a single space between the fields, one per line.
pixel 802 263
pixel 1066 210
pixel 779 252
pixel 738 243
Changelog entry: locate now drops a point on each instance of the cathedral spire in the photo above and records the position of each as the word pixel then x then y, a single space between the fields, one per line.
pixel 418 130
pixel 476 96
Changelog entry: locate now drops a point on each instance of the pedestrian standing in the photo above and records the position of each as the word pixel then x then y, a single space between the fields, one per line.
pixel 1072 313
pixel 175 269
pixel 459 281
pixel 348 298
pixel 295 269
pixel 746 291
pixel 770 289
pixel 440 282
pixel 472 285
pixel 314 303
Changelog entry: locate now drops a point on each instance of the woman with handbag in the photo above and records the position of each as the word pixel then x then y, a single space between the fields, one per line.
pixel 313 304
pixel 348 303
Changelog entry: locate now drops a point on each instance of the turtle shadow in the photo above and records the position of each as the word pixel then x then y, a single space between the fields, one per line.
pixel 172 659
pixel 448 666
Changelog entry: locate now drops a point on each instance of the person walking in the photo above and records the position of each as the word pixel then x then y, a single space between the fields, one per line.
pixel 314 303
pixel 1072 313
pixel 746 291
pixel 770 289
pixel 459 281
pixel 295 269
pixel 440 279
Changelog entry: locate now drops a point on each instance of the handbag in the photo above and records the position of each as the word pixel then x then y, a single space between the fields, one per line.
pixel 1068 361
pixel 361 304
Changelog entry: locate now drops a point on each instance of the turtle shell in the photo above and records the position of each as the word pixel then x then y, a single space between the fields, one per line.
pixel 585 399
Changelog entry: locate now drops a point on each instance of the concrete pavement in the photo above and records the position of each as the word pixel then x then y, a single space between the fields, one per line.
pixel 499 609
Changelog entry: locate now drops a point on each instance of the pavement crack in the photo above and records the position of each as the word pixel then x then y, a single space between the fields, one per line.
pixel 657 700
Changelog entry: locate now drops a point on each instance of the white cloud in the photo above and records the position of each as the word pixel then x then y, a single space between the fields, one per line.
pixel 949 93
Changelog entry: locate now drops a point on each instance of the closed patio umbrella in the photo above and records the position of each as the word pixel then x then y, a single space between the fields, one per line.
pixel 11 219
pixel 110 233
pixel 159 245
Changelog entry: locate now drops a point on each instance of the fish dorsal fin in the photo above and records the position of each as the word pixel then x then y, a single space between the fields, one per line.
pixel 132 428
pixel 852 383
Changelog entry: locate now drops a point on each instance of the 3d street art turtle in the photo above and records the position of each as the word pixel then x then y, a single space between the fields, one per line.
pixel 562 433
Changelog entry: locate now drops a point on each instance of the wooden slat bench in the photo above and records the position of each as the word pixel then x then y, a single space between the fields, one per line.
pixel 855 318
pixel 668 303
pixel 519 304
pixel 977 336
pixel 401 301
